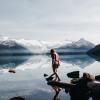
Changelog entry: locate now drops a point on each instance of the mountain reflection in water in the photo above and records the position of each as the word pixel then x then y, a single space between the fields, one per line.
pixel 14 61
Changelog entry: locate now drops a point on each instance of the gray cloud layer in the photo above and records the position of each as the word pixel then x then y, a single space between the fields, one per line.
pixel 52 17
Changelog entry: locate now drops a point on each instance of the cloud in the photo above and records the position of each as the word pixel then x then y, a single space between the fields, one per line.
pixel 50 16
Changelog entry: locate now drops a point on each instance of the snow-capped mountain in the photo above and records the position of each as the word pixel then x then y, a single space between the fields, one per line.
pixel 28 46
pixel 42 47
pixel 9 43
pixel 11 47
pixel 81 45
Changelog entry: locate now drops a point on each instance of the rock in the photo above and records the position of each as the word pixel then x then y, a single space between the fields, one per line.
pixel 95 91
pixel 74 74
pixel 60 84
pixel 17 98
pixel 45 75
pixel 80 88
pixel 12 71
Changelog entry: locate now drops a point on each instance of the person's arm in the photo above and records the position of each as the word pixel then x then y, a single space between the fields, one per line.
pixel 53 59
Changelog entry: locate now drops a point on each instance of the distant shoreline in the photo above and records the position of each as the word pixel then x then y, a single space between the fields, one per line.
pixel 30 54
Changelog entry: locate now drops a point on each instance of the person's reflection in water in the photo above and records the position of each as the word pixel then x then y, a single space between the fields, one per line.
pixel 55 88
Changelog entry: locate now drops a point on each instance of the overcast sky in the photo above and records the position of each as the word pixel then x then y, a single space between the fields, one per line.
pixel 50 19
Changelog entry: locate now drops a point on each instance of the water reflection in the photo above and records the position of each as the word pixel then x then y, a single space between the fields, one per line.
pixel 78 60
pixel 30 84
pixel 55 88
pixel 97 58
pixel 12 61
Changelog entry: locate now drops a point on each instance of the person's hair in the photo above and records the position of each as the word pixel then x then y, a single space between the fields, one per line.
pixel 52 50
pixel 88 77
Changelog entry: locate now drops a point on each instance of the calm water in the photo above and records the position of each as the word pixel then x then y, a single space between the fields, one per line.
pixel 29 82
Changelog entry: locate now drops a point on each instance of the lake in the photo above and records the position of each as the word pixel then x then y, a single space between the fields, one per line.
pixel 29 82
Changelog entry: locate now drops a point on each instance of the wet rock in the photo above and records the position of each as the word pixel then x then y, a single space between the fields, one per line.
pixel 12 71
pixel 17 98
pixel 74 74
pixel 45 75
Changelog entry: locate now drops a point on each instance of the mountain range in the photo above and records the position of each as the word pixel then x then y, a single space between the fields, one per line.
pixel 80 46
pixel 39 47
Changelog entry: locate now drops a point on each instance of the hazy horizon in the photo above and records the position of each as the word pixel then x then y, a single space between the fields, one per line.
pixel 52 20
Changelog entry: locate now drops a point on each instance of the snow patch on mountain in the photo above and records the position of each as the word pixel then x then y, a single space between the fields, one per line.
pixel 80 45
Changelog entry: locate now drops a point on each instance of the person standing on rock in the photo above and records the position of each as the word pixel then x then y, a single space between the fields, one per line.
pixel 55 62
